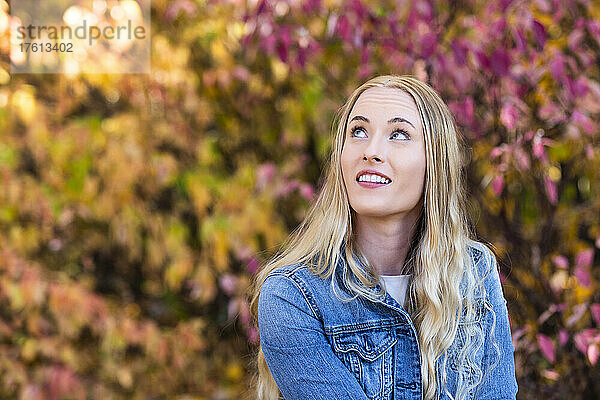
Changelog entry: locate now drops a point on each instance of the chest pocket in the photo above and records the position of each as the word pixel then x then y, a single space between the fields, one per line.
pixel 369 355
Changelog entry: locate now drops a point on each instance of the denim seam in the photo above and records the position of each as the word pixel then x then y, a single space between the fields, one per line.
pixel 365 326
pixel 303 290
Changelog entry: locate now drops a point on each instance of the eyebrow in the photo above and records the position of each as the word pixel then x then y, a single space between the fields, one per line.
pixel 391 121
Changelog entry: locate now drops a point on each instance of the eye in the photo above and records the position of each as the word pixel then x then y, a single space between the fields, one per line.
pixel 355 129
pixel 401 131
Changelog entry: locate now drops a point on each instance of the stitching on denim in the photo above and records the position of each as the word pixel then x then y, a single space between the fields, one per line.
pixel 307 295
pixel 365 326
pixel 299 285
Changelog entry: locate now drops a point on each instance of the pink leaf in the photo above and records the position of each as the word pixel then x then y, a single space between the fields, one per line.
pixel 557 67
pixel 589 152
pixel 228 283
pixel 582 273
pixel 583 121
pixel 580 342
pixel 311 7
pixel 509 115
pixel 551 190
pixel 592 353
pixel 546 347
pixel 500 62
pixel 233 308
pixel 459 51
pixel 522 158
pixel 520 41
pixel 252 334
pixel 498 184
pixel 551 113
pixel 563 336
pixel 518 333
pixel 583 262
pixel 551 374
pixel 560 261
pixel 343 28
pixel 252 265
pixel 265 172
pixel 307 191
pixel 585 257
pixel 428 45
pixel 496 151
pixel 482 59
pixel 539 32
pixel 174 9
pixel 578 312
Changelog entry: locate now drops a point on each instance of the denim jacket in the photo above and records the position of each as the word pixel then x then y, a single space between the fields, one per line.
pixel 318 347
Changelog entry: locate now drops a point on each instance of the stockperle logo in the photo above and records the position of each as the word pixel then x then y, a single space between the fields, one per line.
pixel 80 36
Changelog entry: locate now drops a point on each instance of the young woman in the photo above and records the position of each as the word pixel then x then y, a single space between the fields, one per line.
pixel 381 292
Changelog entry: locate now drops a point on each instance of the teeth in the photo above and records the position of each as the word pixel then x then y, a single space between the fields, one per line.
pixel 373 178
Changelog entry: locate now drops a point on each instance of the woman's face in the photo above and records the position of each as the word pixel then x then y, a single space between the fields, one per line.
pixel 384 135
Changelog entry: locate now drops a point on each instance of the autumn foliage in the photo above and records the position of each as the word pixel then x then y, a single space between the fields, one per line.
pixel 135 209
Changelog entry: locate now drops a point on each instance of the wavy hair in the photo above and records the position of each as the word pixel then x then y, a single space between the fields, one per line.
pixel 438 256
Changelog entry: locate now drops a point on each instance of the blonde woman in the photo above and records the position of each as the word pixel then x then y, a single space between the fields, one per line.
pixel 381 292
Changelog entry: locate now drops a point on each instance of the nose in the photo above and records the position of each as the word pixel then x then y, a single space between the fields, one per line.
pixel 373 152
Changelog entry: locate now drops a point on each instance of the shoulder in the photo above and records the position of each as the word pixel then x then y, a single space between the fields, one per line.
pixel 483 258
pixel 292 284
pixel 485 267
pixel 297 274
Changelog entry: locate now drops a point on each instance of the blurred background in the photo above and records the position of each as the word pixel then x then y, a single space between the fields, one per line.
pixel 136 208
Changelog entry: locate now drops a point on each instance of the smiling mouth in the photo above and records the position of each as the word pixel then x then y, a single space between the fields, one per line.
pixel 372 182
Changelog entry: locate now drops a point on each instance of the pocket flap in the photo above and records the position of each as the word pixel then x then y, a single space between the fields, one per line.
pixel 369 345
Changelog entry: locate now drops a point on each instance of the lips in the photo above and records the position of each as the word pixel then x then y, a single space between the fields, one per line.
pixel 371 172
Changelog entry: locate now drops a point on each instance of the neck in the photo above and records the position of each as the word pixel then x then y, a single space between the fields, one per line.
pixel 386 242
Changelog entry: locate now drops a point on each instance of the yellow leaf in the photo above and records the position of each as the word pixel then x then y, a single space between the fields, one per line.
pixel 29 349
pixel 178 271
pixel 233 372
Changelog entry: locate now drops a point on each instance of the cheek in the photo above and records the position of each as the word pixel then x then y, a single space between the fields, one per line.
pixel 411 169
pixel 346 161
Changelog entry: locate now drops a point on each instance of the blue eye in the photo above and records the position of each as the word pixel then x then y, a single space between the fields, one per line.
pixel 401 131
pixel 357 128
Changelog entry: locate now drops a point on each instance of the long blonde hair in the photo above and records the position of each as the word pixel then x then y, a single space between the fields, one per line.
pixel 438 258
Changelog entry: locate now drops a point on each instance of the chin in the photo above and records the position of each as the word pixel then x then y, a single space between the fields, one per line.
pixel 370 211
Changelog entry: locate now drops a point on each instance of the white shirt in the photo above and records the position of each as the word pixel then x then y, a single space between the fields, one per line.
pixel 396 286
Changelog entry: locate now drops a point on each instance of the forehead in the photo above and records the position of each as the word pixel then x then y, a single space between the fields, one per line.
pixel 386 103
